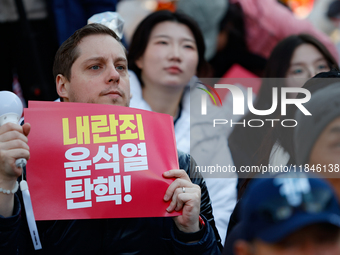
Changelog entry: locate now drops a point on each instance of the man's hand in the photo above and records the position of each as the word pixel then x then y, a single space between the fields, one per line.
pixel 13 145
pixel 184 195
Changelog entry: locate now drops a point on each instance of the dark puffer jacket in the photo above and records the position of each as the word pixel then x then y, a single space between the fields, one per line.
pixel 111 236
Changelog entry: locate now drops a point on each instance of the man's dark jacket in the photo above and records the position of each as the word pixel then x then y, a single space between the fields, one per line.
pixel 111 236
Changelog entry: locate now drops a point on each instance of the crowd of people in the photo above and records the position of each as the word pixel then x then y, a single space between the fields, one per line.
pixel 159 69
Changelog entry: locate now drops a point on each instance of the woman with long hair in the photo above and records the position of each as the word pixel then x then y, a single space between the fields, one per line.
pixel 296 58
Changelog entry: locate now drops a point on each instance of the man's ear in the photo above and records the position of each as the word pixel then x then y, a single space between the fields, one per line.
pixel 62 85
pixel 242 247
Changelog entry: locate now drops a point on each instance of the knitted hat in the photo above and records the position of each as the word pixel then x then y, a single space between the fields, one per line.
pixel 324 106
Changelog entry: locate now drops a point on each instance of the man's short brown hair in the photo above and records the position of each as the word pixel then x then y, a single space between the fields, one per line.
pixel 68 52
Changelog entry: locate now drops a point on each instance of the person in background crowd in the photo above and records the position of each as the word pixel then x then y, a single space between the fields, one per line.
pixel 91 67
pixel 283 136
pixel 317 137
pixel 298 58
pixel 165 54
pixel 255 146
pixel 292 213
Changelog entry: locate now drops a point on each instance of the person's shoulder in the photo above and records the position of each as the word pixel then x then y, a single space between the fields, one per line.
pixel 183 160
pixel 135 85
pixel 188 164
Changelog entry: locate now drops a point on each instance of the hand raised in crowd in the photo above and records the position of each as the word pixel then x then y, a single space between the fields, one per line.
pixel 184 195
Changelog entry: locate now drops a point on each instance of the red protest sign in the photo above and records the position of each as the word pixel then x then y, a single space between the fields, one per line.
pixel 98 161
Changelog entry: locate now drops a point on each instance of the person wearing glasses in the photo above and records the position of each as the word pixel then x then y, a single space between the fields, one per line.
pixel 91 67
pixel 292 62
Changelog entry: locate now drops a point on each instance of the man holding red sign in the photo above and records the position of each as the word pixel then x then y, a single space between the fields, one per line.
pixel 91 67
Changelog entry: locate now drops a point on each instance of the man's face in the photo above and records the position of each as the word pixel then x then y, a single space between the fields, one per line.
pixel 99 75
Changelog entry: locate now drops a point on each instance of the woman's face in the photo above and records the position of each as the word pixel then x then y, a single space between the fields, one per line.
pixel 170 57
pixel 306 62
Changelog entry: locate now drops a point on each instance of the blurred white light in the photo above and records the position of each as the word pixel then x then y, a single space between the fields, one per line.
pixel 10 107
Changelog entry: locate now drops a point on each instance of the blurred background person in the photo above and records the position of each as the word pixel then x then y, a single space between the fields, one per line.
pixel 285 152
pixel 165 55
pixel 278 145
pixel 317 137
pixel 291 213
pixel 298 57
